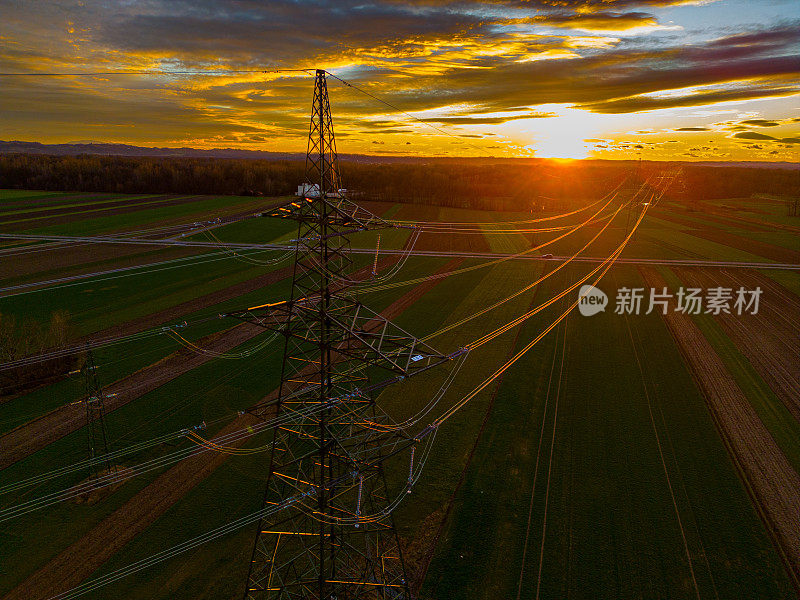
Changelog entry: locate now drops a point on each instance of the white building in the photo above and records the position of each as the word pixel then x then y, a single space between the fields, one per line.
pixel 311 190
pixel 308 190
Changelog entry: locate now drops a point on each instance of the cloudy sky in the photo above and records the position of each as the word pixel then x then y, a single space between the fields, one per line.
pixel 656 79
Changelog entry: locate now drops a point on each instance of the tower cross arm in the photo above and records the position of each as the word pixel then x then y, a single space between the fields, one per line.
pixel 340 213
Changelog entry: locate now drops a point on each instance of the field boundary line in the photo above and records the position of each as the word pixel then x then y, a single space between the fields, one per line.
pixel 536 470
pixel 423 569
pixel 661 456
pixel 550 462
pixel 775 528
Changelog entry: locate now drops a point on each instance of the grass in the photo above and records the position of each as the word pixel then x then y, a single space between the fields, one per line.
pixel 761 207
pixel 703 248
pixel 189 211
pixel 509 243
pixel 145 202
pixel 99 303
pixel 255 231
pixel 233 490
pixel 612 530
pixel 785 429
pixel 114 364
pixel 788 279
pixel 189 399
pixel 201 395
pixel 7 194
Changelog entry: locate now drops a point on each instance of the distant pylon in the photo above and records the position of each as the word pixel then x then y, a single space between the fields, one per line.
pixel 340 543
pixel 97 437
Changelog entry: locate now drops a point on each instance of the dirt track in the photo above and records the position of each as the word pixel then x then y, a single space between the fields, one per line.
pixel 82 558
pixel 184 308
pixel 77 257
pixel 773 485
pixel 768 339
pixel 728 216
pixel 35 435
pixel 67 214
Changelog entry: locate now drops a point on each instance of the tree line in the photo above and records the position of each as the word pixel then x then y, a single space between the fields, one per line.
pixel 21 337
pixel 509 185
pixel 520 185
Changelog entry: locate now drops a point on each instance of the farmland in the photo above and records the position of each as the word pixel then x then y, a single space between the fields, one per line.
pixel 594 467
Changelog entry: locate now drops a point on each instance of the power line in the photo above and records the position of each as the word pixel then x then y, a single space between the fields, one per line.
pixel 223 72
pixel 218 72
pixel 409 115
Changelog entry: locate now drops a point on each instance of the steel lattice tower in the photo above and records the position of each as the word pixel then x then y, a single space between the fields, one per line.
pixel 97 438
pixel 341 542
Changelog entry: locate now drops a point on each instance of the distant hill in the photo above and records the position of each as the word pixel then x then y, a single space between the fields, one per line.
pixel 90 147
pixel 105 149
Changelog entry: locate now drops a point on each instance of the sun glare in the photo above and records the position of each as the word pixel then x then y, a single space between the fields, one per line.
pixel 561 136
pixel 567 147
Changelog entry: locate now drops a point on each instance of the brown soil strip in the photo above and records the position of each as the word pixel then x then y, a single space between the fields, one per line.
pixel 32 221
pixel 764 249
pixel 452 242
pixel 89 553
pixel 37 202
pixel 178 311
pixel 725 215
pixel 447 242
pixel 709 220
pixel 35 435
pixel 86 208
pixel 769 338
pixel 79 257
pixel 376 207
pixel 773 485
pixel 190 306
pixel 417 212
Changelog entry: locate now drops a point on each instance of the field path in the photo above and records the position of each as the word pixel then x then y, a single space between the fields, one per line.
pixel 35 435
pixel 84 557
pixel 72 258
pixel 773 485
pixel 709 211
pixel 769 339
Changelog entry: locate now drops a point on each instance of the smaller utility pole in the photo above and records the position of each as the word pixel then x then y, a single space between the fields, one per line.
pixel 97 438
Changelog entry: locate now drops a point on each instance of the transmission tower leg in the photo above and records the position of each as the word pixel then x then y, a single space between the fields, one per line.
pixel 340 542
pixel 97 436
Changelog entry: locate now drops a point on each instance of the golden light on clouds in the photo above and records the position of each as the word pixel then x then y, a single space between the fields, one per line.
pixel 610 79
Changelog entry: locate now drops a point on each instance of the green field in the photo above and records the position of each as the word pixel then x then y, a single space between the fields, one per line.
pixel 591 469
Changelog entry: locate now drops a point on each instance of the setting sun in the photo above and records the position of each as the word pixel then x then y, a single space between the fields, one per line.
pixel 409 300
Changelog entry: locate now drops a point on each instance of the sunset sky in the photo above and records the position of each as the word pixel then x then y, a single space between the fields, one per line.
pixel 656 79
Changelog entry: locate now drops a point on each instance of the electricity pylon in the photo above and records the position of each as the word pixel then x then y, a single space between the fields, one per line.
pixel 340 543
pixel 97 437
